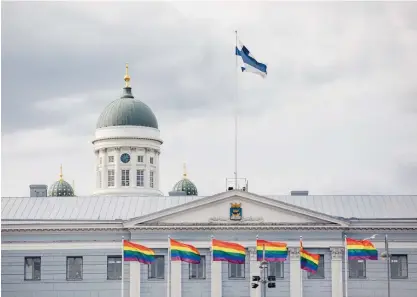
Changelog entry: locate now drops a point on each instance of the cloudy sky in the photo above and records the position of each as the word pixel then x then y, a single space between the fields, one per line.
pixel 337 113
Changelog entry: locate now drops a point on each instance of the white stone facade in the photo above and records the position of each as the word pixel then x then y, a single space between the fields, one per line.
pixel 139 175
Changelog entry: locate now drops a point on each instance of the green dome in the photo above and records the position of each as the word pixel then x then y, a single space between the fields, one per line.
pixel 187 186
pixel 127 111
pixel 60 188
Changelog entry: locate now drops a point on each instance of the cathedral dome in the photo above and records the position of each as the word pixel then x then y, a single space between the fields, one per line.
pixel 184 187
pixel 127 111
pixel 60 188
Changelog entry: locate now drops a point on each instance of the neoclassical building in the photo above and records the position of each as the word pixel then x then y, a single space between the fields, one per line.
pixel 67 245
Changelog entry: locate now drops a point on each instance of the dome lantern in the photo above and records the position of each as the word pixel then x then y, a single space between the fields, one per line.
pixel 60 188
pixel 184 187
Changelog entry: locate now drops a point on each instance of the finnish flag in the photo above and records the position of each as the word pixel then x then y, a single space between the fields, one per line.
pixel 249 63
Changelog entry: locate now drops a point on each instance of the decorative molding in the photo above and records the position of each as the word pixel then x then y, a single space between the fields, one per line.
pixel 126 137
pixel 294 253
pixel 337 253
pixel 133 149
pixel 252 254
pixel 117 148
pixel 226 220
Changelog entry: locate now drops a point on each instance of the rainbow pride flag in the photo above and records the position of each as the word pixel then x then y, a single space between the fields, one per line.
pixel 137 252
pixel 361 250
pixel 274 251
pixel 184 252
pixel 308 261
pixel 228 251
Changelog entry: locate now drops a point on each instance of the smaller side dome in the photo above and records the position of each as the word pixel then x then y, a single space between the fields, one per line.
pixel 184 187
pixel 61 188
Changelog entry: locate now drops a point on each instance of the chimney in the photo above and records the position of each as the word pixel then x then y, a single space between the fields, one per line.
pixel 38 190
pixel 299 193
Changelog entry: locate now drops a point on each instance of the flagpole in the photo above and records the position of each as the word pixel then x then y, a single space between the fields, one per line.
pixel 123 273
pixel 388 265
pixel 301 271
pixel 236 103
pixel 346 268
pixel 169 268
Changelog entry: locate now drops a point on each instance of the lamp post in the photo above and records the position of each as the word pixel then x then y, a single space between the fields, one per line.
pixel 265 279
pixel 387 255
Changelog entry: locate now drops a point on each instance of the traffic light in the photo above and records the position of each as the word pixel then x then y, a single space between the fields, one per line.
pixel 271 285
pixel 256 278
pixel 254 285
pixel 271 278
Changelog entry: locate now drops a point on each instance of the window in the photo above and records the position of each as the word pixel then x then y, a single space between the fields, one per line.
pixel 151 160
pixel 110 181
pixel 74 268
pixel 151 184
pixel 111 159
pixel 357 268
pixel 198 271
pixel 125 178
pixel 32 268
pixel 139 178
pixel 156 270
pixel 236 270
pixel 399 266
pixel 320 270
pixel 276 269
pixel 99 179
pixel 140 159
pixel 114 267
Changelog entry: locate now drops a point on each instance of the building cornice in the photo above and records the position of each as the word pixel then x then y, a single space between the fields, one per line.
pixel 126 137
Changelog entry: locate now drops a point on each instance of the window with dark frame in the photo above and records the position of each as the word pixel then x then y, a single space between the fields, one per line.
pixel 151 160
pixel 140 177
pixel 140 159
pixel 114 267
pixel 74 268
pixel 236 270
pixel 110 182
pixel 156 270
pixel 111 159
pixel 125 177
pixel 151 179
pixel 320 271
pixel 198 271
pixel 399 266
pixel 33 268
pixel 357 269
pixel 276 269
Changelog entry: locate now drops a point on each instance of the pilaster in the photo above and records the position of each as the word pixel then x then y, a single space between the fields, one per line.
pixel 133 166
pixel 104 168
pixel 134 279
pixel 176 290
pixel 216 278
pixel 117 173
pixel 337 274
pixel 295 272
pixel 254 270
pixel 146 174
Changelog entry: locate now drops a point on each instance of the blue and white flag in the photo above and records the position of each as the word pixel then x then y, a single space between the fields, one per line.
pixel 249 63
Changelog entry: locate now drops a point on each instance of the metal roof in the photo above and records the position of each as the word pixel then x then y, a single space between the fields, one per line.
pixel 124 208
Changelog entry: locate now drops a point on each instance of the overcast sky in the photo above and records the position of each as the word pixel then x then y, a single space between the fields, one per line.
pixel 337 113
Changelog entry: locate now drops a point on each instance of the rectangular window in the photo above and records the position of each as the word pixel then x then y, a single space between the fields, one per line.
pixel 140 159
pixel 32 268
pixel 114 267
pixel 151 160
pixel 399 266
pixel 151 183
pixel 139 178
pixel 125 178
pixel 111 159
pixel 110 182
pixel 320 271
pixel 357 268
pixel 156 270
pixel 99 179
pixel 74 268
pixel 276 269
pixel 198 271
pixel 236 270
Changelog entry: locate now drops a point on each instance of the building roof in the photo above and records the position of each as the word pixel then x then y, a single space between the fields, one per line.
pixel 125 208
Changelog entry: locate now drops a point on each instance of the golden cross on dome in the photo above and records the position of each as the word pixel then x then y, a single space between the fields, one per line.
pixel 185 171
pixel 127 76
pixel 60 173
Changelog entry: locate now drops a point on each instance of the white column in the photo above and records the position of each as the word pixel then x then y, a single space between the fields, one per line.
pixel 134 279
pixel 176 279
pixel 295 272
pixel 337 274
pixel 104 169
pixel 133 167
pixel 117 173
pixel 147 169
pixel 254 270
pixel 156 161
pixel 97 167
pixel 216 279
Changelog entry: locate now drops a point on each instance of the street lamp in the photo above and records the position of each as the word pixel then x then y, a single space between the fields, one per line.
pixel 386 255
pixel 270 280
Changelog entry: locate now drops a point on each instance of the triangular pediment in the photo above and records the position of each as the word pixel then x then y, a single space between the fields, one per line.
pixel 236 207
